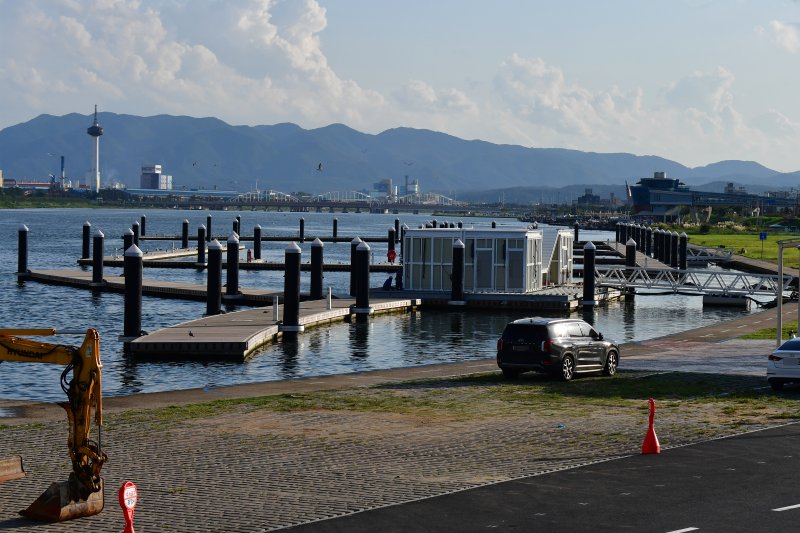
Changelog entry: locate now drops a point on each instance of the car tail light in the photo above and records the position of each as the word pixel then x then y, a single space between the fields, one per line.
pixel 773 357
pixel 500 344
pixel 546 345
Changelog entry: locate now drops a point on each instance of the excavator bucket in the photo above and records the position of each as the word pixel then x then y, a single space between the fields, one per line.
pixel 65 500
pixel 11 468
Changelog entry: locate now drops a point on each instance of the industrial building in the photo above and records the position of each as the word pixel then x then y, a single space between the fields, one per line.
pixel 152 178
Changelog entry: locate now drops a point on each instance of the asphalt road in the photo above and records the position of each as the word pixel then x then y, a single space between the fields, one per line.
pixel 744 483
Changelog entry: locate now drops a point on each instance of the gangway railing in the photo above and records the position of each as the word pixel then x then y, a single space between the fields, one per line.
pixel 693 281
pixel 696 254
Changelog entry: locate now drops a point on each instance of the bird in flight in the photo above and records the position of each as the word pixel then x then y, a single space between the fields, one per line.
pixel 319 167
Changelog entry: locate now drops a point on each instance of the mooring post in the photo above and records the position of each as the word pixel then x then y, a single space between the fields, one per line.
pixel 291 293
pixel 460 225
pixel 673 253
pixel 391 239
pixel 494 224
pixel 214 279
pixel 316 269
pixel 132 267
pixel 135 229
pixel 683 246
pixel 87 239
pixel 657 244
pixel 648 242
pixel 302 229
pixel 97 258
pixel 127 240
pixel 201 245
pixel 330 299
pixel 589 263
pixel 142 225
pixel 396 230
pixel 237 225
pixel 335 228
pixel 630 254
pixel 257 242
pixel 22 251
pixel 617 231
pixel 353 245
pixel 403 230
pixel 232 266
pixel 457 276
pixel 276 310
pixel 185 234
pixel 362 309
pixel 208 228
pixel 577 232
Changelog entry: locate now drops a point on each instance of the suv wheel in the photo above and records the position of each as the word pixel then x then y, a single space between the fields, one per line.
pixel 612 360
pixel 567 368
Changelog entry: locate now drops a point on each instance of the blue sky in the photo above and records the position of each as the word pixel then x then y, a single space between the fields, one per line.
pixel 696 81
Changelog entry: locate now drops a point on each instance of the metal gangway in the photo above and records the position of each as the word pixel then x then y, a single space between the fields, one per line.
pixel 693 281
pixel 698 254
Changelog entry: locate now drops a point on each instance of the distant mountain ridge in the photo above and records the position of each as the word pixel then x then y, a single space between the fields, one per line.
pixel 208 153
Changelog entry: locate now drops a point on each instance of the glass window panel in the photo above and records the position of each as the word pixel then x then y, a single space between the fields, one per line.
pixel 483 270
pixel 500 252
pixel 484 243
pixel 469 273
pixel 516 268
pixel 416 249
pixel 426 276
pixel 437 250
pixel 469 251
pixel 500 278
pixel 416 277
pixel 437 277
pixel 447 251
pixel 517 244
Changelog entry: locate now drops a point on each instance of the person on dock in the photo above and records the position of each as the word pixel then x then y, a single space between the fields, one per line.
pixel 391 255
pixel 387 285
pixel 249 255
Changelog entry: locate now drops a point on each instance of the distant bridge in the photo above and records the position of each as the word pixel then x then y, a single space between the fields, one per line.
pixel 694 281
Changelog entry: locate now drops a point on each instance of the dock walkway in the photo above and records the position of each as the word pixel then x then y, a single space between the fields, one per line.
pixel 234 336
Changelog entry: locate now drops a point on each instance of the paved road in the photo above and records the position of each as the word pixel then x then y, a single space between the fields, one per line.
pixel 744 483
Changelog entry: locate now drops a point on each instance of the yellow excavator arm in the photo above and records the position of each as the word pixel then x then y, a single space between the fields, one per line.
pixel 84 394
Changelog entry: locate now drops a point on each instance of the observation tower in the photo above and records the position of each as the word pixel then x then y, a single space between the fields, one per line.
pixel 95 130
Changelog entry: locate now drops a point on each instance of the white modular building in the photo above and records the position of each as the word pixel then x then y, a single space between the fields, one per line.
pixel 496 260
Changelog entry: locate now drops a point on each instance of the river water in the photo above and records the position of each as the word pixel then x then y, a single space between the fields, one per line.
pixel 419 338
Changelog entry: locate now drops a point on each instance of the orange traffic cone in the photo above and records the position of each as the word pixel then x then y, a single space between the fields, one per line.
pixel 650 444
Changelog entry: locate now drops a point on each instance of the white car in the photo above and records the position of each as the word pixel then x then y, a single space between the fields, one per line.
pixel 783 365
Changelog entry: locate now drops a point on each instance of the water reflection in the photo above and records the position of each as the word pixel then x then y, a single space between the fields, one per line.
pixel 289 355
pixel 359 339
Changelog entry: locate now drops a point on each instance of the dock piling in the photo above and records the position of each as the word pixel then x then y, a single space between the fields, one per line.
pixel 201 245
pixel 673 252
pixel 87 237
pixel 302 229
pixel 589 263
pixel 291 293
pixel 208 228
pixel 362 309
pixel 335 227
pixel 396 230
pixel 142 225
pixel 97 258
pixel 127 240
pixel 353 245
pixel 214 279
pixel 630 253
pixel 683 244
pixel 457 276
pixel 257 242
pixel 232 266
pixel 22 250
pixel 316 269
pixel 133 266
pixel 135 228
pixel 185 234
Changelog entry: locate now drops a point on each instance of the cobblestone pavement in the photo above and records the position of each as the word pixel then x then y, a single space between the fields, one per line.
pixel 250 470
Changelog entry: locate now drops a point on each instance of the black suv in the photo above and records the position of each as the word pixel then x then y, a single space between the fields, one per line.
pixel 561 346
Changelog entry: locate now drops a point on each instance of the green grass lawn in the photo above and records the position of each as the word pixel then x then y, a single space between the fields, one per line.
pixel 751 244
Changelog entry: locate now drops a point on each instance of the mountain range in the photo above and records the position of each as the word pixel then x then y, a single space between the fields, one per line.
pixel 209 153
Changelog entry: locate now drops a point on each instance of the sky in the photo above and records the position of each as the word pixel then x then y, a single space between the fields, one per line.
pixel 696 81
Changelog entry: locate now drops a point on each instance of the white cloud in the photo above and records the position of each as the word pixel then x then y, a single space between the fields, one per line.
pixel 787 36
pixel 418 96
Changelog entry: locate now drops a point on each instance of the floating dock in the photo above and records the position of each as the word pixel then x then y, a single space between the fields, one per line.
pixel 234 336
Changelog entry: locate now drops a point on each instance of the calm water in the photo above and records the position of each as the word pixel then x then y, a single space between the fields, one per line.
pixel 387 341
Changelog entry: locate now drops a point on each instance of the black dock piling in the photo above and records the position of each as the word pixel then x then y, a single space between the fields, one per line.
pixel 302 229
pixel 362 309
pixel 396 230
pixel 214 278
pixel 291 293
pixel 630 254
pixel 390 239
pixel 589 263
pixel 127 240
pixel 201 245
pixel 335 227
pixel 457 276
pixel 185 234
pixel 237 225
pixel 577 232
pixel 353 246
pixel 316 269
pixel 208 228
pixel 22 251
pixel 683 245
pixel 135 229
pixel 143 225
pixel 648 242
pixel 87 239
pixel 132 268
pixel 257 242
pixel 673 252
pixel 232 266
pixel 494 224
pixel 97 258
